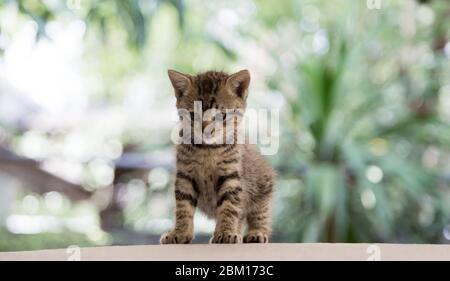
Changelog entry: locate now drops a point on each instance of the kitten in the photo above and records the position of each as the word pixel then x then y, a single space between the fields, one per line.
pixel 229 182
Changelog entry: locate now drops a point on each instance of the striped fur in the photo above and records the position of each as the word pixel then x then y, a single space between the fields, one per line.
pixel 231 182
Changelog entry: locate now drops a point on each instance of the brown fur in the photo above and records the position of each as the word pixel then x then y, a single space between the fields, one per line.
pixel 231 182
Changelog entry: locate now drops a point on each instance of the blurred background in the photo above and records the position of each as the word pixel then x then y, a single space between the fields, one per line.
pixel 86 111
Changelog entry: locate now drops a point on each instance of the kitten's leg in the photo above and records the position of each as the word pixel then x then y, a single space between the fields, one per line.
pixel 258 218
pixel 229 212
pixel 241 225
pixel 186 194
pixel 258 226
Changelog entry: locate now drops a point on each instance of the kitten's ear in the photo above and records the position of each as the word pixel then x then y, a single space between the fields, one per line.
pixel 239 82
pixel 180 82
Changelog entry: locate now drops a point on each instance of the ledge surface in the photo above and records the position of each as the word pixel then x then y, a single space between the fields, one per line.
pixel 242 252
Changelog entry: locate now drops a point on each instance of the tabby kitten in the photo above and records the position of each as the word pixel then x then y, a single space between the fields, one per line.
pixel 229 182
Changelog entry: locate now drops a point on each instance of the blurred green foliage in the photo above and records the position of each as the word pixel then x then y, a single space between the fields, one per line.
pixel 132 16
pixel 365 178
pixel 28 242
pixel 365 140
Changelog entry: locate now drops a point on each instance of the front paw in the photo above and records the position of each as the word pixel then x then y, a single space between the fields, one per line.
pixel 256 237
pixel 173 237
pixel 226 238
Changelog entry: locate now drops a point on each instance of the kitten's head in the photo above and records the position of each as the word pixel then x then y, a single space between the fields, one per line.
pixel 215 89
pixel 211 103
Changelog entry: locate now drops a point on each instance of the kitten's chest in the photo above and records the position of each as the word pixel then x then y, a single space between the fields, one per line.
pixel 206 178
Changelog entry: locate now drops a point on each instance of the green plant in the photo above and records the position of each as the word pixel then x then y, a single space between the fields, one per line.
pixel 28 242
pixel 370 174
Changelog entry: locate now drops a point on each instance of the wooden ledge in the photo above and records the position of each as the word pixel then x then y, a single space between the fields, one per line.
pixel 242 252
